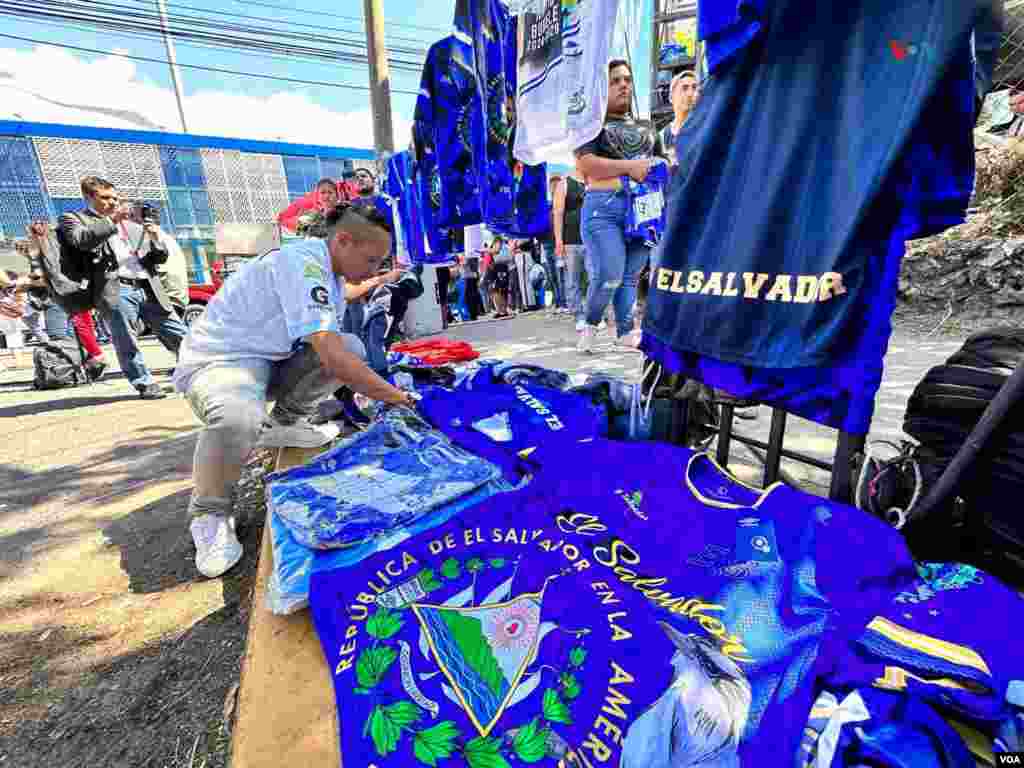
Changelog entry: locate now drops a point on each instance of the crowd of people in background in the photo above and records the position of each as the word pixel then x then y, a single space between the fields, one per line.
pixel 584 266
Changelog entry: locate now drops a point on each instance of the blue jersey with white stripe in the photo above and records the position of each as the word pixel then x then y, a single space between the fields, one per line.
pixel 401 187
pixel 447 117
pixel 515 199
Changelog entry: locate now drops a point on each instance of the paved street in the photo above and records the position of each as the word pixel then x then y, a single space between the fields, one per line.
pixel 96 571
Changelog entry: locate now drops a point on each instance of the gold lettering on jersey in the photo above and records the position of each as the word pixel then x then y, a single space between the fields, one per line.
pixel 618 556
pixel 756 286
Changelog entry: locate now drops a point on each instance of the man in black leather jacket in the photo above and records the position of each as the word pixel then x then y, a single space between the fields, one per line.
pixel 103 246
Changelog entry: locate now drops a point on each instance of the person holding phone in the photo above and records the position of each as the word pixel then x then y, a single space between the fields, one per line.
pixel 118 257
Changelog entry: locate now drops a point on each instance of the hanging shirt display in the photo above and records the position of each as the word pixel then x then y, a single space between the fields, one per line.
pixel 400 186
pixel 441 240
pixel 514 194
pixel 446 119
pixel 564 49
pixel 545 627
pixel 793 308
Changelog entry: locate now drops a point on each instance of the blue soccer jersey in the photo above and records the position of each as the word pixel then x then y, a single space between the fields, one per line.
pixel 446 119
pixel 508 423
pixel 515 201
pixel 401 187
pixel 656 615
pixel 871 145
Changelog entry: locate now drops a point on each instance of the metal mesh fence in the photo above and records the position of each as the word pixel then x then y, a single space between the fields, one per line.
pixel 999 138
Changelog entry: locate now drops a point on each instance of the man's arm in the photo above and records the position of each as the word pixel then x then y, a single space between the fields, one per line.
pixel 356 291
pixel 49 253
pixel 86 235
pixel 353 372
pixel 600 168
pixel 558 215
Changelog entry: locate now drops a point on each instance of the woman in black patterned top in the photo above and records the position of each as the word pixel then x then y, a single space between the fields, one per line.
pixel 623 148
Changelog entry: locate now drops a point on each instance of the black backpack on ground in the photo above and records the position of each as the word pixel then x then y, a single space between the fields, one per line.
pixel 58 364
pixel 984 513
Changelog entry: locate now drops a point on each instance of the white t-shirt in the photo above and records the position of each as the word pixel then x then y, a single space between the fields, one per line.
pixel 265 309
pixel 563 91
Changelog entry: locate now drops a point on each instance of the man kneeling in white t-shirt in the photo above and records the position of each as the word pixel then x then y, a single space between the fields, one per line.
pixel 273 332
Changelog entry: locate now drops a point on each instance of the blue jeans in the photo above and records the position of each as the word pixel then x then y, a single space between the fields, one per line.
pixel 556 277
pixel 614 263
pixel 575 257
pixel 57 323
pixel 136 303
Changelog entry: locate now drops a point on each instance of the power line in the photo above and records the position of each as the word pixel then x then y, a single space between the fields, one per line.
pixel 194 28
pixel 289 21
pixel 210 46
pixel 197 66
pixel 359 40
pixel 443 30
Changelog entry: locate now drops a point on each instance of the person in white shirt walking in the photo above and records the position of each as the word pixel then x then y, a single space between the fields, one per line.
pixel 273 332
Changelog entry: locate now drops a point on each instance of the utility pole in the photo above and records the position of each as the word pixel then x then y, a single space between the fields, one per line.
pixel 380 81
pixel 172 60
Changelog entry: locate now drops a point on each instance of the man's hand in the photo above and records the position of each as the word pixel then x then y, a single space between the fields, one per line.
pixel 559 249
pixel 120 213
pixel 389 277
pixel 1017 103
pixel 352 371
pixel 639 169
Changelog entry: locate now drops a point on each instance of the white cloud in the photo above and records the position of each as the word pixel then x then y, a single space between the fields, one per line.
pixel 54 85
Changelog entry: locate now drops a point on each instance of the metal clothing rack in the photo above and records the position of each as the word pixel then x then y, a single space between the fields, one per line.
pixel 849 447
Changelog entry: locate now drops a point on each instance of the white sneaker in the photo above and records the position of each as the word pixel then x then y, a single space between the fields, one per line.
pixel 585 345
pixel 602 326
pixel 217 547
pixel 302 434
pixel 580 325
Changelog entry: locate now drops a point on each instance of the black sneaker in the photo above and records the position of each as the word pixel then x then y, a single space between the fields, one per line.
pixel 95 370
pixel 152 392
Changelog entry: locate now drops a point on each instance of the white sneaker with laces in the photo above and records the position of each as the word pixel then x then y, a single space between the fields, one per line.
pixel 585 345
pixel 602 325
pixel 217 547
pixel 301 434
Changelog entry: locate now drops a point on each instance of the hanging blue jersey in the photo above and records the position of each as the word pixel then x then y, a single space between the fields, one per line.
pixel 793 308
pixel 726 27
pixel 645 214
pixel 548 626
pixel 446 119
pixel 401 187
pixel 515 199
pixel 441 239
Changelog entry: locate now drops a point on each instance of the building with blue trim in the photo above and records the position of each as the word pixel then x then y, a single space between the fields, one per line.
pixel 196 181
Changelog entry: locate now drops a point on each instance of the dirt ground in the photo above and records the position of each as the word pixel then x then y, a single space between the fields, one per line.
pixel 166 704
